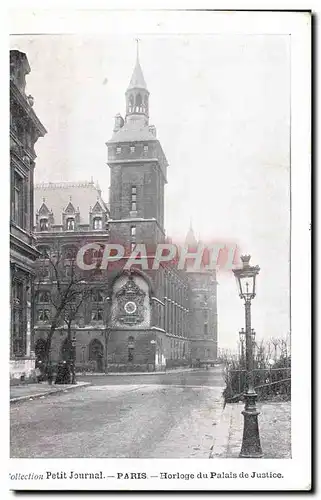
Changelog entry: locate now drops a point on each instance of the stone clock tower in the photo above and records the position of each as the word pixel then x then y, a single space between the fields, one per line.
pixel 138 171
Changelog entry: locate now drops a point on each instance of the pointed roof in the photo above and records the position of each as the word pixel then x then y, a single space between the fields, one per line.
pixel 70 209
pixel 190 237
pixel 44 210
pixel 137 80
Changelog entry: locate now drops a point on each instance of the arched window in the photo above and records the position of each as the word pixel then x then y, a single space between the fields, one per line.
pixel 44 225
pixel 96 353
pixel 97 223
pixel 70 224
pixel 131 103
pixel 131 347
pixel 139 103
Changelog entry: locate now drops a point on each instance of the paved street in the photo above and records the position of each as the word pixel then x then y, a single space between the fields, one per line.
pixel 169 415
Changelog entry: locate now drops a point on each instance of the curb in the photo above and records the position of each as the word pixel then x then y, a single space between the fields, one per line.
pixel 48 393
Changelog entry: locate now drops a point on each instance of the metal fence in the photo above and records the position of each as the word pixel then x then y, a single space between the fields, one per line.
pixel 268 383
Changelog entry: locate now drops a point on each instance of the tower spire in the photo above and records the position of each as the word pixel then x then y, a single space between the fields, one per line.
pixel 137 95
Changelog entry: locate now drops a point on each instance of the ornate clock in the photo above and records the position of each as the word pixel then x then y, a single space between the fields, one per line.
pixel 130 302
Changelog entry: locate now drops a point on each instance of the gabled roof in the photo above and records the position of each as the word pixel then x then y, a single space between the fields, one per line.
pixel 84 196
pixel 98 208
pixel 44 210
pixel 70 209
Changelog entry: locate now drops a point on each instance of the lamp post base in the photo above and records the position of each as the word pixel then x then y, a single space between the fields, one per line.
pixel 251 445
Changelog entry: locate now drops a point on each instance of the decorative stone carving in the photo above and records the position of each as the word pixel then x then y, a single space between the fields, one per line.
pixel 130 302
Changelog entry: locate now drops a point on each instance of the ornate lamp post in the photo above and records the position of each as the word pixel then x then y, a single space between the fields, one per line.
pixel 246 278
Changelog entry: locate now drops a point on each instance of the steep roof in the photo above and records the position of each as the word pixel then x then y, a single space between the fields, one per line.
pixel 137 80
pixel 190 239
pixel 133 132
pixel 59 195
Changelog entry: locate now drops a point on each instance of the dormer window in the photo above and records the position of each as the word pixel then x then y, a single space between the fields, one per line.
pixel 44 226
pixel 118 150
pixel 97 223
pixel 70 224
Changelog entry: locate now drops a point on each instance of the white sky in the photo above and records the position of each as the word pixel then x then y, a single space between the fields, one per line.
pixel 221 106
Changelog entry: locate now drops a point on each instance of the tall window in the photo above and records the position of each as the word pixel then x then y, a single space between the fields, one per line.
pixel 133 231
pixel 97 296
pixel 44 315
pixel 205 328
pixel 18 200
pixel 70 224
pixel 18 324
pixel 132 149
pixel 134 199
pixel 44 226
pixel 97 315
pixel 131 347
pixel 97 223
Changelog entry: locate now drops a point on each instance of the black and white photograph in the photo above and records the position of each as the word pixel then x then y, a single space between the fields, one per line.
pixel 153 191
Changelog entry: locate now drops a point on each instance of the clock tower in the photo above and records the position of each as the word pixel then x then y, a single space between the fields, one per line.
pixel 138 170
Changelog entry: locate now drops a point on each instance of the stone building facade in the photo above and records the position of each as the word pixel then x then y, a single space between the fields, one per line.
pixel 150 319
pixel 25 129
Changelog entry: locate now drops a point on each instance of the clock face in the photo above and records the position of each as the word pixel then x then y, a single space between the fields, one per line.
pixel 130 307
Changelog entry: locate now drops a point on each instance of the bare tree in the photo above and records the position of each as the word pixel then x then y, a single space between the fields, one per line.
pixel 69 288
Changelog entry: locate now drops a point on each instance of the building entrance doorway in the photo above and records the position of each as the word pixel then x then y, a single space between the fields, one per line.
pixel 96 353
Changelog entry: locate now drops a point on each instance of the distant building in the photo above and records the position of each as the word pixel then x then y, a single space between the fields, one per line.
pixel 25 129
pixel 148 319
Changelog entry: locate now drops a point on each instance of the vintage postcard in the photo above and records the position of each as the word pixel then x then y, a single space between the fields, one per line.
pixel 159 214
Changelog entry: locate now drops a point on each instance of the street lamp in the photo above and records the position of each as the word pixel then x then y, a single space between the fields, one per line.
pixel 246 281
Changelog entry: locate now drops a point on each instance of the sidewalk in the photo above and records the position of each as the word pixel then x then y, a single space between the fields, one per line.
pixel 32 391
pixel 274 425
pixel 118 374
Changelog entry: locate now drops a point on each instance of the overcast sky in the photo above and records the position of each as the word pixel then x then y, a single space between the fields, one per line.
pixel 221 106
